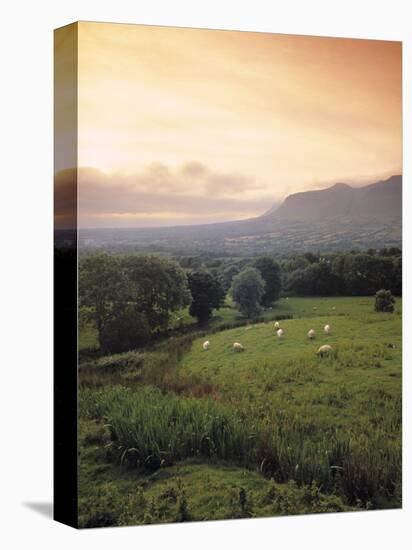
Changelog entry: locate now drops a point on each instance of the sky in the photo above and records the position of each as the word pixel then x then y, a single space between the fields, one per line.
pixel 182 126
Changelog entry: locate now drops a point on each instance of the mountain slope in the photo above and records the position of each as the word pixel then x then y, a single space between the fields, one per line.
pixel 381 200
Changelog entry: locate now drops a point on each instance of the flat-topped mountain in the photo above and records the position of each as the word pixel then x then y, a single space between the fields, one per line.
pixel 339 217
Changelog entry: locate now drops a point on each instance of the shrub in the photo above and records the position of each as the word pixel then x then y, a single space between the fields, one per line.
pixel 125 330
pixel 100 511
pixel 111 369
pixel 384 301
pixel 119 361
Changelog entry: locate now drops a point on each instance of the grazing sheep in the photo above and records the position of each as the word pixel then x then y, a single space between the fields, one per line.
pixel 280 332
pixel 327 329
pixel 238 347
pixel 311 334
pixel 276 325
pixel 324 350
pixel 206 345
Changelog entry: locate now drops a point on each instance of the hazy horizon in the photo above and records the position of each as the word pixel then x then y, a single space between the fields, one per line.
pixel 62 181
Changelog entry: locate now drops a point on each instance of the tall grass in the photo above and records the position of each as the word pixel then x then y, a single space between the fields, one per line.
pixel 152 429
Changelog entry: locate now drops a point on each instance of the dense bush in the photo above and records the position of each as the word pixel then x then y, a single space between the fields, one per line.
pixel 384 301
pixel 125 330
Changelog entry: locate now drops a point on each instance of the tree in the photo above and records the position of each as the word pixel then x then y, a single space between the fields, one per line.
pixel 294 263
pixel 270 271
pixel 138 292
pixel 247 290
pixel 227 275
pixel 207 294
pixel 156 287
pixel 317 279
pixel 126 329
pixel 363 274
pixel 102 287
pixel 384 301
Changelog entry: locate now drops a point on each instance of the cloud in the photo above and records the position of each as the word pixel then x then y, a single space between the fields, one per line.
pixel 158 196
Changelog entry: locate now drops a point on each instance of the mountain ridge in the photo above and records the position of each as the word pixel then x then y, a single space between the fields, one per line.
pixel 343 200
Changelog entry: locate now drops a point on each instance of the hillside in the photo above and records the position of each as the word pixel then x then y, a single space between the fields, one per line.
pixel 378 202
pixel 339 217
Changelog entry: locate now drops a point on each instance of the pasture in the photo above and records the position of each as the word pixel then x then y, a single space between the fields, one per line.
pixel 182 433
pixel 229 315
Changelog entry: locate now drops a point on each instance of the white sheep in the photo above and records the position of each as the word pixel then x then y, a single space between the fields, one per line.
pixel 276 325
pixel 280 332
pixel 324 350
pixel 238 347
pixel 327 329
pixel 311 334
pixel 206 345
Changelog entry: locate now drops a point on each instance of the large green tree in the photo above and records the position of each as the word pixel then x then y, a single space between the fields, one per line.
pixel 248 288
pixel 207 295
pixel 130 298
pixel 157 287
pixel 270 271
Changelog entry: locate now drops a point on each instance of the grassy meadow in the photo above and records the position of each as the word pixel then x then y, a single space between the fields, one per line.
pixel 176 433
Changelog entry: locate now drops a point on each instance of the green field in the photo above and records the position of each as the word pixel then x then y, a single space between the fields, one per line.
pixel 179 434
pixel 296 307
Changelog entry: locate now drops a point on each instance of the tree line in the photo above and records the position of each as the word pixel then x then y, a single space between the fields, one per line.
pixel 352 273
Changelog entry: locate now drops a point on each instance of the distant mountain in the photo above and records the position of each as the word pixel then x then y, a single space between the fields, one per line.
pixel 378 201
pixel 337 218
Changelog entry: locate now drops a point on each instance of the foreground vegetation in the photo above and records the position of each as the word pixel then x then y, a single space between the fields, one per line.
pixel 173 433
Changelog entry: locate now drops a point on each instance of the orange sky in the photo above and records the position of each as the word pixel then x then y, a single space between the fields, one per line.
pixel 240 119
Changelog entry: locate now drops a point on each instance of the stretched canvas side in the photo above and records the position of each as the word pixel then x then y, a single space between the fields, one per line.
pixel 65 275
